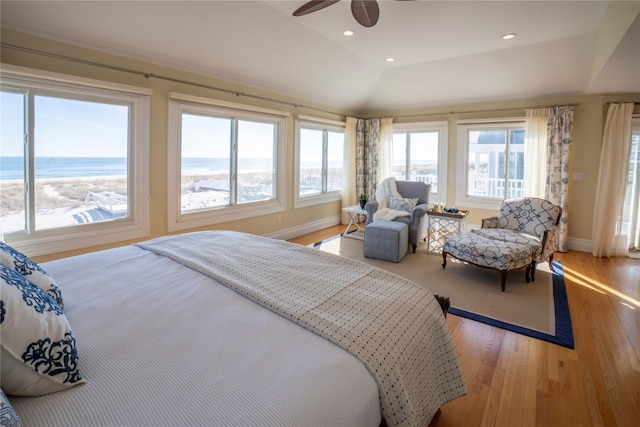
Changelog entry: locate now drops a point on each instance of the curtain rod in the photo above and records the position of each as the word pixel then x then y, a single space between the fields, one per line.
pixel 485 111
pixel 236 93
pixel 622 102
pixel 161 77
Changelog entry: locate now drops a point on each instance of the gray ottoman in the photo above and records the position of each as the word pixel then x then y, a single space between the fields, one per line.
pixel 386 240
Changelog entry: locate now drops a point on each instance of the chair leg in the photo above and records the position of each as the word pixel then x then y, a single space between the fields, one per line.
pixel 445 303
pixel 444 259
pixel 550 260
pixel 503 278
pixel 533 271
pixel 527 273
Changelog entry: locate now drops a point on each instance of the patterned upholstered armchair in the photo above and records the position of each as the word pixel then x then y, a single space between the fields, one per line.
pixel 523 234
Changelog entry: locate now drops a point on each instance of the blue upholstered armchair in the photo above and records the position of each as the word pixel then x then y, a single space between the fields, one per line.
pixel 417 221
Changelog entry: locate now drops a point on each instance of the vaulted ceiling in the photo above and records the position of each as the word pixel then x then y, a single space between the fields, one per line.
pixel 446 52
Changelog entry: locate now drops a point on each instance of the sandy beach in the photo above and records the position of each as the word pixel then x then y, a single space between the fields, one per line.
pixel 64 202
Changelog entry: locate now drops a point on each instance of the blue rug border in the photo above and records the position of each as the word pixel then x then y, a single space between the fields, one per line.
pixel 564 329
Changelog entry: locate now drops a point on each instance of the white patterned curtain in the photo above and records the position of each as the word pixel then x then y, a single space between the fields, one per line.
pixel 559 125
pixel 367 152
pixel 384 154
pixel 535 152
pixel 349 192
pixel 608 238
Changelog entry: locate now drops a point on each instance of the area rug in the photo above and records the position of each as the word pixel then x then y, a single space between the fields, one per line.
pixel 539 309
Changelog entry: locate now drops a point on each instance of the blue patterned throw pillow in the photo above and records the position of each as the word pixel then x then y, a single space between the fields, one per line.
pixel 39 354
pixel 8 417
pixel 400 204
pixel 25 266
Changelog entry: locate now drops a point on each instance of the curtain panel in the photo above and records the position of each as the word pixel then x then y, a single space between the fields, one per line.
pixel 607 238
pixel 535 152
pixel 384 151
pixel 367 156
pixel 559 125
pixel 349 191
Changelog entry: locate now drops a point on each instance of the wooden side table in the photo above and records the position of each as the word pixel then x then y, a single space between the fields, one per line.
pixel 353 212
pixel 440 225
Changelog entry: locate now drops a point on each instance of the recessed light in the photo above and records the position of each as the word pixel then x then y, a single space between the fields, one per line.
pixel 349 33
pixel 390 59
pixel 508 36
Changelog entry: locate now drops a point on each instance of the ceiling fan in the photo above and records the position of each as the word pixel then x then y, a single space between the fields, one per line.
pixel 366 12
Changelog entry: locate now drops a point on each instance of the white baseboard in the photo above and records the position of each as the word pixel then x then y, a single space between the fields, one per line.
pixel 290 233
pixel 581 245
pixel 574 244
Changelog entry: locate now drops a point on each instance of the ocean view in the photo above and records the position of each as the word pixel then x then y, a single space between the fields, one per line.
pixel 79 190
pixel 71 167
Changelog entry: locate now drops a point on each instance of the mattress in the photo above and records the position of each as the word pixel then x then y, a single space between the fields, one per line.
pixel 163 345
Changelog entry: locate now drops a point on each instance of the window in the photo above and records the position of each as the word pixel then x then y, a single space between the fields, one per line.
pixel 419 153
pixel 631 212
pixel 73 162
pixel 319 161
pixel 226 161
pixel 491 164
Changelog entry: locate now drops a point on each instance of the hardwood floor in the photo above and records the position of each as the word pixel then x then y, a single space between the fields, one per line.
pixel 514 380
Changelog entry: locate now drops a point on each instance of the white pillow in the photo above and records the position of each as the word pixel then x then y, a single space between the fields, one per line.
pixel 39 354
pixel 8 417
pixel 400 204
pixel 24 265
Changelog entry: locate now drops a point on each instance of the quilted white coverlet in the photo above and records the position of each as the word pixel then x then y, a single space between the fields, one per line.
pixel 393 326
pixel 161 344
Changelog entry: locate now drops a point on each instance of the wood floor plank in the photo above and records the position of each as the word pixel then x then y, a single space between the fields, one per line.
pixel 514 380
pixel 512 402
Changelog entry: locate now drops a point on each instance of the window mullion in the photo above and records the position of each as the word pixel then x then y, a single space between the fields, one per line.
pixel 325 163
pixel 507 164
pixel 234 162
pixel 407 166
pixel 30 183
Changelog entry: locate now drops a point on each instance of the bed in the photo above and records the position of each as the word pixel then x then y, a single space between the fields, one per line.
pixel 167 333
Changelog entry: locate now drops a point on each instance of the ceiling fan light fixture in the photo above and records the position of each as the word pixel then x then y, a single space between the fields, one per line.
pixel 508 36
pixel 365 12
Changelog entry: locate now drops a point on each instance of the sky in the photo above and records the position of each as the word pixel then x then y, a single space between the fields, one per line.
pixel 72 128
pixel 424 146
pixel 65 128
pixel 204 136
pixel 311 149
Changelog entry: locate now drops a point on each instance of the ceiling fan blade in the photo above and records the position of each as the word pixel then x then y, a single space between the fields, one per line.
pixel 313 6
pixel 366 12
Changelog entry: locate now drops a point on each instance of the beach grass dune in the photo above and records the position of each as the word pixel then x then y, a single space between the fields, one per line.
pixel 56 193
pixel 61 202
pixel 58 202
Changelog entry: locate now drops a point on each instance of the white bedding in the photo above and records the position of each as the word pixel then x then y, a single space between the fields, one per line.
pixel 163 345
pixel 395 327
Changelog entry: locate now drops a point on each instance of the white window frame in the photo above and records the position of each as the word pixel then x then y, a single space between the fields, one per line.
pixel 442 127
pixel 309 122
pixel 462 198
pixel 136 225
pixel 630 224
pixel 181 103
